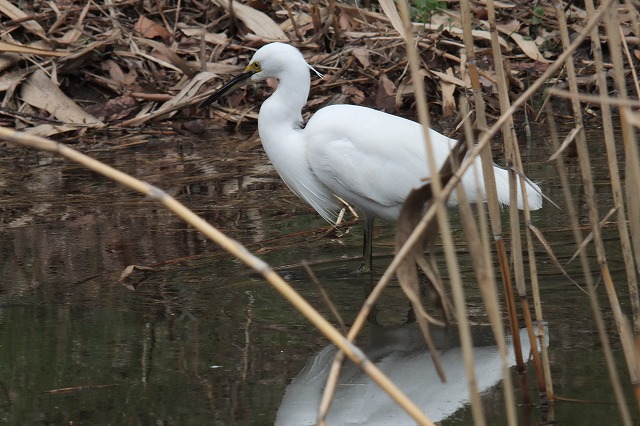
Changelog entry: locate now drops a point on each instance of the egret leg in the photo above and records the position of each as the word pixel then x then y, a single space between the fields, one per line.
pixel 367 247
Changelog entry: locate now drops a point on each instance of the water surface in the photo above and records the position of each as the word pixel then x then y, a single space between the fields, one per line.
pixel 203 340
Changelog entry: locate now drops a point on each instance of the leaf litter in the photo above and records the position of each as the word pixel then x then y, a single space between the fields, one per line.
pixel 87 66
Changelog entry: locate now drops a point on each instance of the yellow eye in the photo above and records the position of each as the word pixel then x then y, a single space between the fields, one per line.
pixel 253 67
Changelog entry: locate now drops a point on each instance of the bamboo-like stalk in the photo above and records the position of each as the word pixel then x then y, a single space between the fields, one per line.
pixel 632 354
pixel 616 186
pixel 480 254
pixel 513 160
pixel 631 150
pixel 487 284
pixel 429 215
pixel 482 143
pixel 234 248
pixel 586 271
pixel 440 208
pixel 628 348
pixel 443 220
pixel 539 334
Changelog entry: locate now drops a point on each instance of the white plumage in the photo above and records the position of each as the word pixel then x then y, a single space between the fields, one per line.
pixel 368 158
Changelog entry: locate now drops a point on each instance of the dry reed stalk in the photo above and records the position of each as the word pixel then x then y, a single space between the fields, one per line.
pixel 628 346
pixel 405 28
pixel 486 281
pixel 586 271
pixel 513 160
pixel 234 248
pixel 324 296
pixel 604 99
pixel 546 386
pixel 443 220
pixel 479 252
pixel 415 236
pixel 439 209
pixel 616 186
pixel 552 69
pixel 430 214
pixel 482 143
pixel 632 352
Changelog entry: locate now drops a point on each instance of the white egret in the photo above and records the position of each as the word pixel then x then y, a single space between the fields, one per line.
pixel 368 158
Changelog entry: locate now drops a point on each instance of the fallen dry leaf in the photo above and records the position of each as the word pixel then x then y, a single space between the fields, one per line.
pixel 185 97
pixel 146 28
pixel 362 55
pixel 529 48
pixel 448 100
pixel 345 22
pixel 114 109
pixel 46 130
pixel 39 91
pixel 118 75
pixel 356 95
pixel 303 21
pixel 389 9
pixel 213 38
pixel 448 77
pixel 385 95
pixel 164 54
pixel 10 10
pixel 261 25
pixel 9 79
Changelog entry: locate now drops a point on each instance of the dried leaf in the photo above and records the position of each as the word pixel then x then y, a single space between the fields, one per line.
pixel 168 56
pixel 7 60
pixel 12 78
pixel 385 95
pixel 14 13
pixel 362 55
pixel 117 75
pixel 114 109
pixel 345 22
pixel 92 48
pixel 213 38
pixel 146 28
pixel 40 92
pixel 185 97
pixel 529 48
pixel 498 4
pixel 261 25
pixel 448 101
pixel 46 130
pixel 509 27
pixel 73 35
pixel 457 31
pixel 127 279
pixel 410 215
pixel 389 9
pixel 448 77
pixel 356 95
pixel 303 21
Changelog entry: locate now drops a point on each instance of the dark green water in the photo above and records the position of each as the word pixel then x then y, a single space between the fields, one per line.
pixel 202 340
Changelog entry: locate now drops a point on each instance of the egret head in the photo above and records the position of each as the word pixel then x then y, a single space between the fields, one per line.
pixel 270 60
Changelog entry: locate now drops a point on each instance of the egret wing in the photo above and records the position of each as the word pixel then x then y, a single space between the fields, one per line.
pixel 369 158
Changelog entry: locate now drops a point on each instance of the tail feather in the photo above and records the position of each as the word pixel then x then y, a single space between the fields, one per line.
pixel 534 194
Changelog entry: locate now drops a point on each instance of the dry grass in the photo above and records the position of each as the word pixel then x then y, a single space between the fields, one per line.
pixel 129 63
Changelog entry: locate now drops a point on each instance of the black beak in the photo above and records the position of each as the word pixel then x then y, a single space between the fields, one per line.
pixel 238 81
